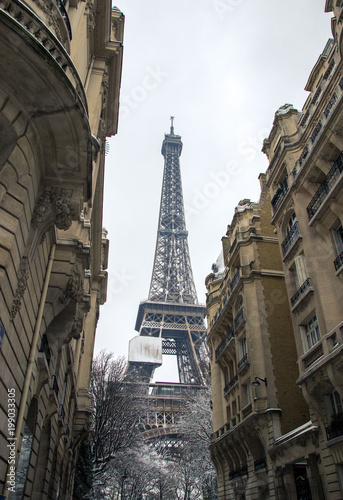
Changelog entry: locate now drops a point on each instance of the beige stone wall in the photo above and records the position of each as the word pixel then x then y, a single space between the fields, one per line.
pixel 58 102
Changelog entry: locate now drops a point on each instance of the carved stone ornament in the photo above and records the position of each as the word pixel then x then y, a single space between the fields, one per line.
pixel 51 11
pixel 74 289
pixel 90 9
pixel 104 86
pixel 77 324
pixel 23 275
pixel 54 200
pixel 102 134
pixel 115 25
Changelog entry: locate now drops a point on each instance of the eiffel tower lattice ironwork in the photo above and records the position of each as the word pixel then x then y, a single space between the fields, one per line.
pixel 171 321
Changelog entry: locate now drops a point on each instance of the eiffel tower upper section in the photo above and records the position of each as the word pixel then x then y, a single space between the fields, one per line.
pixel 171 321
pixel 172 277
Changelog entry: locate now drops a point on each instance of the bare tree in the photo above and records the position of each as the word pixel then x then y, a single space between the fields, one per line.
pixel 118 465
pixel 141 473
pixel 117 403
pixel 195 465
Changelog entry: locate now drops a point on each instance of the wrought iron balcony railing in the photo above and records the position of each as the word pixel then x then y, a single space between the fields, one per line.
pixel 288 242
pixel 325 187
pixel 280 195
pixel 234 281
pixel 243 362
pixel 330 105
pixel 338 262
pixel 239 318
pixel 334 430
pixel 300 292
pixel 224 342
pixel 316 131
pixel 231 285
pixel 230 334
pixel 230 385
pixel 243 471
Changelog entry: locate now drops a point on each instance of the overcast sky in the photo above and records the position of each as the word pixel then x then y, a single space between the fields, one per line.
pixel 222 68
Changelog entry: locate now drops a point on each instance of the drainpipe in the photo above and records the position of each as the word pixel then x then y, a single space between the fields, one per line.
pixel 31 360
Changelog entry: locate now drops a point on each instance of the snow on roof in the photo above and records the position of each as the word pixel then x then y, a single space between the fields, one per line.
pixel 295 433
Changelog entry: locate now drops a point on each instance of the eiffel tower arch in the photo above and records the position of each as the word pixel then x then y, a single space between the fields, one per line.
pixel 170 321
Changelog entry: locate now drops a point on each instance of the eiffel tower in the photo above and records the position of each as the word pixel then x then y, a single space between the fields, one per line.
pixel 170 321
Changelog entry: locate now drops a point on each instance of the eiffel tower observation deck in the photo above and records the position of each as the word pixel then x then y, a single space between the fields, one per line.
pixel 171 321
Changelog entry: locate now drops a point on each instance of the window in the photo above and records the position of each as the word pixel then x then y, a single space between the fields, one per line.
pixel 338 236
pixel 2 332
pixel 246 394
pixel 292 220
pixel 311 333
pixel 336 403
pixel 226 375
pixel 231 370
pixel 242 347
pixel 300 270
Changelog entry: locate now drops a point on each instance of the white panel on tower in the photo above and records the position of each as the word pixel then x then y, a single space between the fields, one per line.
pixel 145 350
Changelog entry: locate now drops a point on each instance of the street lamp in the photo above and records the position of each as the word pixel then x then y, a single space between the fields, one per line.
pixel 256 382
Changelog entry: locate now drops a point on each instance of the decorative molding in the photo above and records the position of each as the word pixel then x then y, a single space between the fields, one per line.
pixel 54 200
pixel 74 289
pixel 104 87
pixel 51 12
pixel 77 324
pixel 90 11
pixel 23 275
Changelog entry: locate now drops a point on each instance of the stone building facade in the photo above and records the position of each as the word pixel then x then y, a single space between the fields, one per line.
pixel 304 188
pixel 59 91
pixel 305 179
pixel 253 356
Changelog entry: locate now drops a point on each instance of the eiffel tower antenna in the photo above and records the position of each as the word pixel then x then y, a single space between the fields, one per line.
pixel 172 125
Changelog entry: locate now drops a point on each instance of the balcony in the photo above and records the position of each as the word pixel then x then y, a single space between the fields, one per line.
pixel 301 293
pixel 316 131
pixel 315 353
pixel 243 362
pixel 338 262
pixel 260 464
pixel 239 319
pixel 224 342
pixel 230 385
pixel 236 473
pixel 300 161
pixel 290 239
pixel 280 195
pixel 326 187
pixel 230 286
pixel 234 281
pixel 330 105
pixel 335 429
